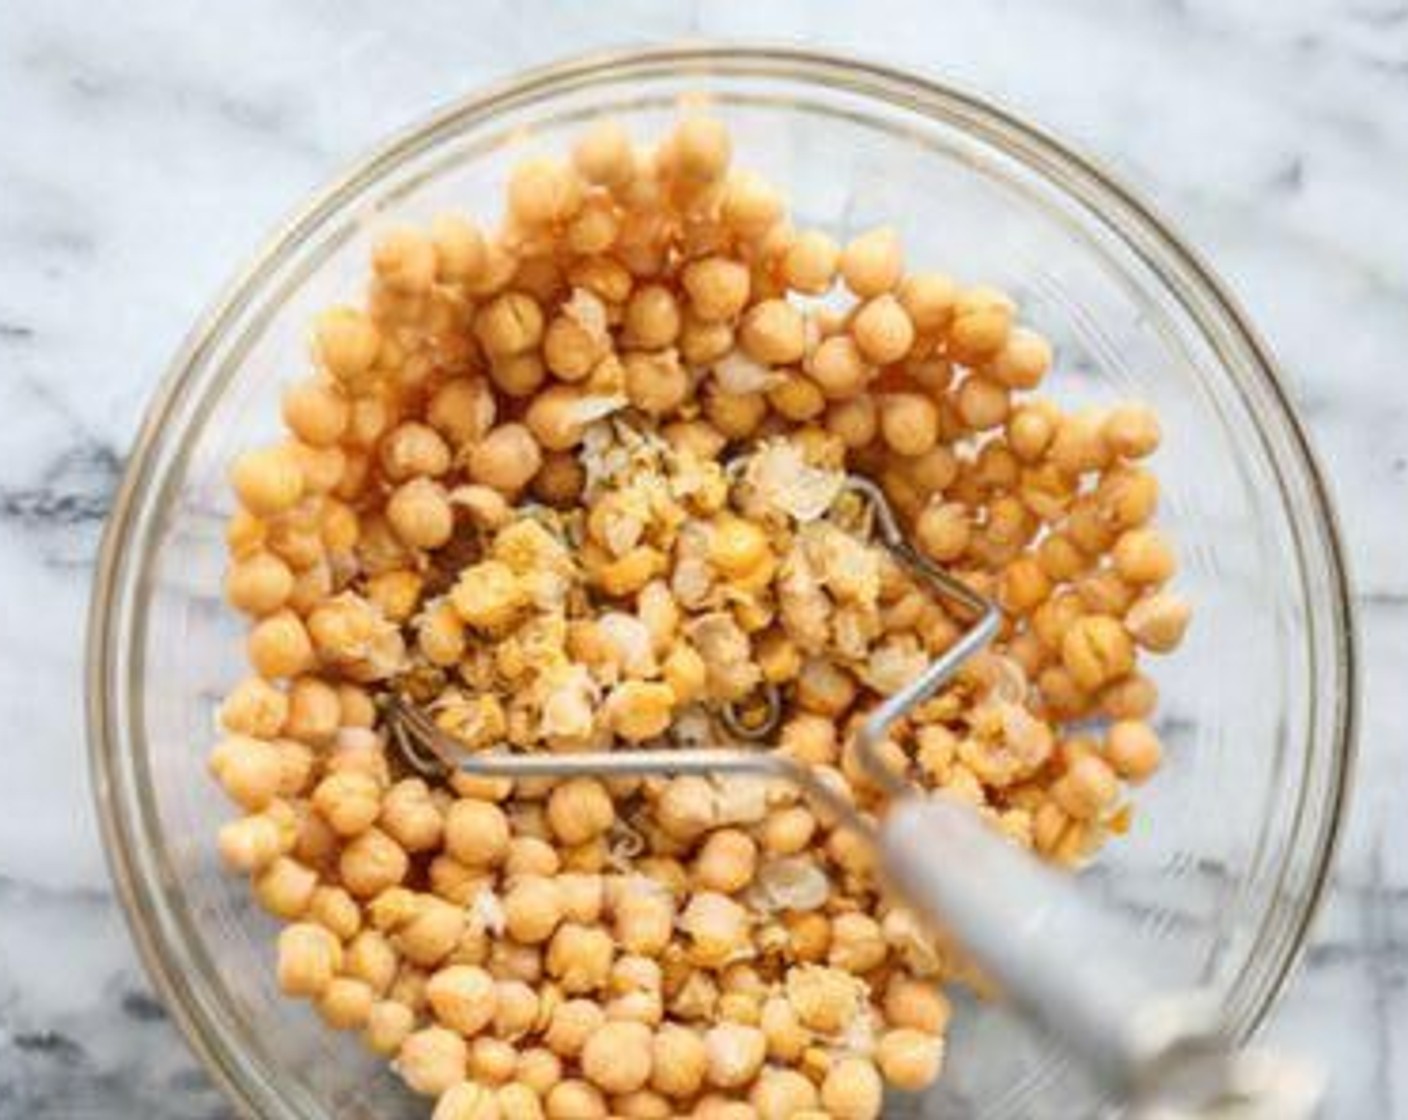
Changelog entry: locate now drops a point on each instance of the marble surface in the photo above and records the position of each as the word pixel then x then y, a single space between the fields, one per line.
pixel 147 147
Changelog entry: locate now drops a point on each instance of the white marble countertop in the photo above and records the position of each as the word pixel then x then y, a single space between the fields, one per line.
pixel 146 148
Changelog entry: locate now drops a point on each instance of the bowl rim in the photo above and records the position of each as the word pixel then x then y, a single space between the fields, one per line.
pixel 831 69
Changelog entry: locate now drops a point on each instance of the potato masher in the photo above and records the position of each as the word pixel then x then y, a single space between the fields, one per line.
pixel 1057 955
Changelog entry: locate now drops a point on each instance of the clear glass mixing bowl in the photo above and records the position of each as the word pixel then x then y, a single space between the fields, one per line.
pixel 1232 841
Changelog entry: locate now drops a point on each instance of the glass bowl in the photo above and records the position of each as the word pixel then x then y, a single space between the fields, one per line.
pixel 1231 844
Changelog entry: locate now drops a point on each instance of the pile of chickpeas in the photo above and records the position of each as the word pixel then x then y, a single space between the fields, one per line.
pixel 501 494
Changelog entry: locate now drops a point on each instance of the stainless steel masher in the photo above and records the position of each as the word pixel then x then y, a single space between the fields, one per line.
pixel 1061 959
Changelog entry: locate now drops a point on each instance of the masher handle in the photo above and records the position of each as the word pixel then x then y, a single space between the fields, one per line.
pixel 1065 961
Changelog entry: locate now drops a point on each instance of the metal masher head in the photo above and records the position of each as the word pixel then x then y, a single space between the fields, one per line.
pixel 434 753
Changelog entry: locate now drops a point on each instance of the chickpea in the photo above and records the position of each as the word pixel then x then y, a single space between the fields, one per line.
pixel 810 264
pixel 413 449
pixel 509 325
pixel 717 288
pixel 1095 650
pixel 572 1023
pixel 838 368
pixel 1144 556
pixel 404 261
pixel 656 383
pixel 734 1053
pixel 1087 788
pixel 603 155
pixel 309 959
pixel 433 932
pixel 259 584
pixel 1022 362
pixel 910 1059
pixel 579 957
pixel 981 325
pixel 575 1100
pixel 349 802
pixel 462 410
pixel 727 861
pixel 419 512
pixel 371 862
pixel 1158 621
pixel 335 909
pixel 736 415
pixel 1079 444
pixel 855 422
pixel 532 909
pixel 346 344
pixel 539 1068
pixel 476 833
pixel 982 403
pixel 410 816
pixel 1132 431
pixel 680 1061
pixel 928 299
pixel 1133 749
pixel 248 770
pixel 1030 430
pixel 543 192
pixel 882 331
pixel 285 888
pixel 466 1101
pixel 825 688
pixel 459 248
pixel 463 998
pixel 699 151
pixel 388 1026
pixel 909 423
pixel 580 810
pixel 685 808
pixel 773 332
pixel 644 919
pixel 797 399
pixel 857 944
pixel 371 959
pixel 717 926
pixel 345 1004
pixel 872 263
pixel 651 320
pixel 703 343
pixel 433 1060
pixel 750 204
pixel 810 739
pixel 506 459
pixel 254 708
pixel 789 831
pixel 251 843
pixel 267 480
pixel 617 1058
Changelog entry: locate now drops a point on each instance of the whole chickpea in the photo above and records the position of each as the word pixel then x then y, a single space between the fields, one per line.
pixel 371 862
pixel 852 1090
pixel 309 959
pixel 873 262
pixel 617 1058
pixel 1133 749
pixel 909 423
pixel 838 367
pixel 882 331
pixel 506 459
pixel 679 1062
pixel 909 1059
pixel 476 833
pixel 388 1026
pixel 651 320
pixel 810 263
pixel 463 998
pixel 268 481
pixel 727 861
pixel 773 332
pixel 579 810
pixel 433 1060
